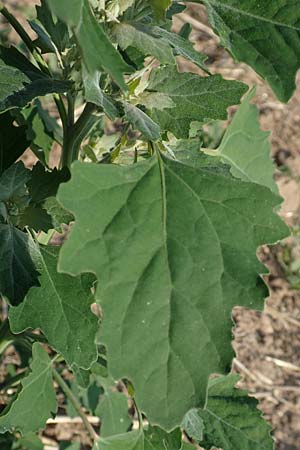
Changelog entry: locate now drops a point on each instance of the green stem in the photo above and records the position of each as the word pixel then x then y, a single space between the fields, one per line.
pixel 65 388
pixel 75 134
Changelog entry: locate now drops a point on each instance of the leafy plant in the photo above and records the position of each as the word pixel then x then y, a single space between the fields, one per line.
pixel 162 233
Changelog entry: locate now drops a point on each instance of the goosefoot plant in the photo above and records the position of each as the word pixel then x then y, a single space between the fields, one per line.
pixel 136 305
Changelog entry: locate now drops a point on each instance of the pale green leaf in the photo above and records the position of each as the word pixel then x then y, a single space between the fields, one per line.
pixel 97 51
pixel 169 272
pixel 141 122
pixel 195 98
pixel 127 441
pixel 113 413
pixel 94 94
pixel 158 439
pixel 193 425
pixel 21 81
pixel 140 37
pixel 182 47
pixel 154 100
pixel 159 7
pixel 37 400
pixel 246 148
pixel 65 317
pixel 264 34
pixel 231 419
pixel 18 271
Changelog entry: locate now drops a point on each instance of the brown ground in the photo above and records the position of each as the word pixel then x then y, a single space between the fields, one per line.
pixel 268 344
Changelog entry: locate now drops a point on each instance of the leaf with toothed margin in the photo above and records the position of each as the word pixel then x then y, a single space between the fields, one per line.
pixel 195 98
pixel 60 308
pixel 174 250
pixel 36 402
pixel 231 418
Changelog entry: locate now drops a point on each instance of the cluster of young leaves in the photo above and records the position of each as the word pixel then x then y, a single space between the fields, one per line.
pixel 165 232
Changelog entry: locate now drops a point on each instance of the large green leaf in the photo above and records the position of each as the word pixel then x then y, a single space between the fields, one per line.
pixel 113 412
pixel 60 307
pixel 246 148
pixel 161 244
pixel 127 441
pixel 232 420
pixel 140 37
pixel 196 98
pixel 19 256
pixel 37 400
pixel 13 141
pixel 97 50
pixel 265 35
pixel 21 81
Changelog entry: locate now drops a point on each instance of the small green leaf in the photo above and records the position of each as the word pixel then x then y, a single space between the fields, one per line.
pixel 113 412
pixel 158 439
pixel 195 98
pixel 265 35
pixel 13 141
pixel 37 400
pixel 97 50
pixel 168 284
pixel 65 318
pixel 154 100
pixel 182 47
pixel 58 31
pixel 140 37
pixel 58 214
pixel 36 218
pixel 246 148
pixel 45 183
pixel 94 94
pixel 231 418
pixel 193 425
pixel 141 122
pixel 134 440
pixel 21 81
pixel 159 7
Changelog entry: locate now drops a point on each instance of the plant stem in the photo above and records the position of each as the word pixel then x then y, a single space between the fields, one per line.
pixel 65 388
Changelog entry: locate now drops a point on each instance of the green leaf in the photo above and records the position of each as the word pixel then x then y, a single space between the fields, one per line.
pixel 127 441
pixel 182 47
pixel 13 141
pixel 265 35
pixel 94 94
pixel 232 420
pixel 45 183
pixel 113 412
pixel 13 182
pixel 195 98
pixel 154 100
pixel 58 214
pixel 18 273
pixel 97 51
pixel 142 122
pixel 193 425
pixel 140 37
pixel 36 402
pixel 246 148
pixel 65 317
pixel 29 442
pixel 169 272
pixel 159 7
pixel 37 218
pixel 158 439
pixel 21 81
pixel 58 31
